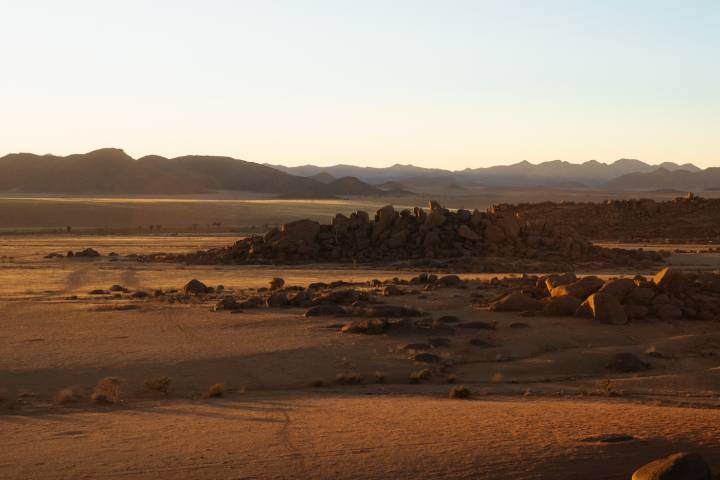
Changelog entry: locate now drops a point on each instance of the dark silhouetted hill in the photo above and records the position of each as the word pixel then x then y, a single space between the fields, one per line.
pixel 112 171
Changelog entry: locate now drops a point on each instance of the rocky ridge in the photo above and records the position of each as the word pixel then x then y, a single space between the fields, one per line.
pixel 418 234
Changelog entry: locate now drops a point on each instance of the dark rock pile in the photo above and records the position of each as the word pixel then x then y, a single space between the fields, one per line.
pixel 670 295
pixel 688 219
pixel 435 233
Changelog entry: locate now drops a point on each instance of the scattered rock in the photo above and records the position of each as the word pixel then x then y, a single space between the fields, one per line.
pixel 556 280
pixel 516 302
pixel 580 289
pixel 373 326
pixel 565 305
pixel 606 308
pixel 227 303
pixel 86 253
pixel 278 299
pixel 618 288
pixel 426 358
pixel 626 363
pixel 669 279
pixel 276 283
pixel 449 281
pixel 326 311
pixel 392 291
pixel 679 466
pixel 195 287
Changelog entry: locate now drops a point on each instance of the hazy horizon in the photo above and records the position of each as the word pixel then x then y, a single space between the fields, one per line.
pixel 136 157
pixel 465 85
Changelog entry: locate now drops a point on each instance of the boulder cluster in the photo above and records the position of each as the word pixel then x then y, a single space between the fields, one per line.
pixel 338 299
pixel 433 233
pixel 670 295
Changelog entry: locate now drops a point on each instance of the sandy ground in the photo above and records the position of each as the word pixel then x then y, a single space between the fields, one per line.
pixel 349 436
pixel 538 391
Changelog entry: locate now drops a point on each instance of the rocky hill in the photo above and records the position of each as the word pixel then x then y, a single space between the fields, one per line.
pixel 112 171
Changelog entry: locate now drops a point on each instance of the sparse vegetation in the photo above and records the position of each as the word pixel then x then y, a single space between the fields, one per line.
pixel 420 375
pixel 108 390
pixel 69 395
pixel 461 391
pixel 607 387
pixel 216 391
pixel 349 379
pixel 158 384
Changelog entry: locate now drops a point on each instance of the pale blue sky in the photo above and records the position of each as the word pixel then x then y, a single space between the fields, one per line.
pixel 450 84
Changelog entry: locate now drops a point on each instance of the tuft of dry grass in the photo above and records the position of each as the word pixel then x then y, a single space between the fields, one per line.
pixel 216 391
pixel 158 384
pixel 108 390
pixel 461 391
pixel 68 395
pixel 420 375
pixel 607 387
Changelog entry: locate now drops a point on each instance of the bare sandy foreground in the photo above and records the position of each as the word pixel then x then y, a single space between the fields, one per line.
pixel 350 436
pixel 540 385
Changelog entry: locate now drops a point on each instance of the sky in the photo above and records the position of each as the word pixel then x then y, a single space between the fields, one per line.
pixel 449 84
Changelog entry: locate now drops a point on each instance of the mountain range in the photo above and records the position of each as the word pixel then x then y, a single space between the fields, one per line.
pixel 112 171
pixel 556 173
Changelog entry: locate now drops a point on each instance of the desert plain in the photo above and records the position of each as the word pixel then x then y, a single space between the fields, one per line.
pixel 100 381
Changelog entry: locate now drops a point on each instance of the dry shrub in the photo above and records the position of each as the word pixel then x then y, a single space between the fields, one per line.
pixel 378 377
pixel 108 390
pixel 460 391
pixel 417 377
pixel 607 387
pixel 451 378
pixel 158 384
pixel 69 395
pixel 497 378
pixel 216 391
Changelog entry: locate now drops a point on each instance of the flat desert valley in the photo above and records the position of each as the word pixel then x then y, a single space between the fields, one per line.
pixel 118 366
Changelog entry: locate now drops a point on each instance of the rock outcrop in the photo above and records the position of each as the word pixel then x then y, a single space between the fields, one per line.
pixel 424 234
